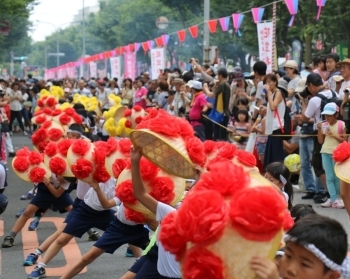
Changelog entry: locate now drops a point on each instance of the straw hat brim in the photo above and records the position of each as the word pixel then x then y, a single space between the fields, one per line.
pixel 110 161
pixel 119 114
pixel 342 170
pixel 25 175
pixel 169 154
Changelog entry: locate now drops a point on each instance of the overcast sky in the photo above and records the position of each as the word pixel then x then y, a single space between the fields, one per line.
pixel 54 12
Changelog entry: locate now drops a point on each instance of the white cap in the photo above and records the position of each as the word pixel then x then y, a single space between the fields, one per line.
pixel 196 85
pixel 189 83
pixel 49 84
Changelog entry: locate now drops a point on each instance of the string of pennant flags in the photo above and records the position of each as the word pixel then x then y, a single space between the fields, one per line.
pixel 237 19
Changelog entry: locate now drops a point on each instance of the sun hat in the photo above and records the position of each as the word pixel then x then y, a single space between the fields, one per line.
pixel 337 78
pixel 330 109
pixel 134 116
pixel 29 166
pixel 341 156
pixel 291 64
pixel 301 85
pixel 68 117
pixel 345 61
pixel 189 83
pixel 49 131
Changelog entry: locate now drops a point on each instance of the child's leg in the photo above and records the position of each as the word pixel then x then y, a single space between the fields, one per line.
pixel 47 243
pixel 327 162
pixel 136 251
pixel 21 221
pixel 336 180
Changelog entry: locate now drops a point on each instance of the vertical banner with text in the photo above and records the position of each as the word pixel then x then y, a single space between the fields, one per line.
pixel 265 33
pixel 157 61
pixel 130 65
pixel 115 68
pixel 93 69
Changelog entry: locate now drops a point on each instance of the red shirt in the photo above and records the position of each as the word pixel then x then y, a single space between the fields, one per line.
pixel 139 97
pixel 196 110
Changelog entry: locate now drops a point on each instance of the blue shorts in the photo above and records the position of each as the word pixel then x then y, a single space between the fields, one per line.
pixel 45 200
pixel 118 234
pixel 145 268
pixel 72 212
pixel 86 218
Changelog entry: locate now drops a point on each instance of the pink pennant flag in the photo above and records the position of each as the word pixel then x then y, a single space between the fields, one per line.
pixel 292 6
pixel 237 21
pixel 150 44
pixel 165 39
pixel 320 4
pixel 258 14
pixel 137 46
pixel 224 22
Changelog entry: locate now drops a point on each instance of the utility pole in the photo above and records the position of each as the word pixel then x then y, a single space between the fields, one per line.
pixel 12 65
pixel 45 54
pixel 83 66
pixel 206 44
pixel 58 47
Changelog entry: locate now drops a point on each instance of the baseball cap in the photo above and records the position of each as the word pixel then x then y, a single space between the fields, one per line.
pixel 237 69
pixel 49 84
pixel 196 85
pixel 314 79
pixel 330 109
pixel 238 76
pixel 301 85
pixel 189 83
pixel 291 64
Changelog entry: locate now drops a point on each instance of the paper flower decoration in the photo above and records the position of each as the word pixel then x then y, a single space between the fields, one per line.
pixel 68 117
pixel 49 131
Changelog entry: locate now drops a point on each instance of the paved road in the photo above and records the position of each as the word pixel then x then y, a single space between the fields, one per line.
pixel 107 266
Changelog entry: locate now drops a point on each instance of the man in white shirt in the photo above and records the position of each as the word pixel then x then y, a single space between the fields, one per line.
pixel 292 71
pixel 344 68
pixel 82 90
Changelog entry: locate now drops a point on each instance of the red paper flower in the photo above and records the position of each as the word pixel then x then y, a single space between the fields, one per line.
pixel 288 221
pixel 195 149
pixel 162 189
pixel 99 156
pixel 170 238
pixel 112 146
pixel 69 111
pixel 203 216
pixel 341 152
pixel 40 103
pixel 258 213
pixel 118 166
pixel 20 164
pixel 77 118
pixel 40 119
pixel 57 165
pixel 134 216
pixel 209 146
pixel 138 119
pixel 125 146
pixel 47 111
pixel 162 120
pixel 42 145
pixel 55 134
pixel 227 151
pixel 80 147
pixel 217 160
pixel 38 136
pixel 46 124
pixel 51 149
pixel 51 102
pixel 101 174
pixel 200 263
pixel 128 124
pixel 152 112
pixel 37 174
pixel 56 112
pixel 137 108
pixel 246 158
pixel 64 145
pixel 23 152
pixel 127 112
pixel 225 178
pixel 82 168
pixel 186 130
pixel 148 169
pixel 35 158
pixel 125 192
pixel 64 119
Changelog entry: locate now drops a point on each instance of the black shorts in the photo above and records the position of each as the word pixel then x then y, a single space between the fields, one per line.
pixel 45 200
pixel 72 212
pixel 118 234
pixel 86 218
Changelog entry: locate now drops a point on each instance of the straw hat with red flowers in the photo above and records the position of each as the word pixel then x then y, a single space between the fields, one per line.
pixel 29 165
pixel 49 131
pixel 134 116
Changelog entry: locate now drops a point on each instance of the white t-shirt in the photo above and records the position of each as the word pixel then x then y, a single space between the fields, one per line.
pixel 259 94
pixel 103 97
pixel 54 181
pixel 91 198
pixel 82 189
pixel 344 85
pixel 85 92
pixel 15 105
pixel 313 109
pixel 2 176
pixel 167 265
pixel 121 216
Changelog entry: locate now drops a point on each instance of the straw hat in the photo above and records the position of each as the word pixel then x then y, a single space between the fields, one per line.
pixel 68 117
pixel 118 154
pixel 86 160
pixel 345 61
pixel 162 186
pixel 169 142
pixel 134 116
pixel 29 165
pixel 341 156
pixel 47 101
pixel 49 131
pixel 114 100
pixel 226 219
pixel 55 157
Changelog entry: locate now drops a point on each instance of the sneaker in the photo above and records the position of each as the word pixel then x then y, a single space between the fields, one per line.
pixel 25 133
pixel 94 236
pixel 327 204
pixel 27 196
pixel 338 203
pixel 12 154
pixel 30 260
pixel 321 197
pixel 33 225
pixel 129 253
pixel 37 273
pixel 308 196
pixel 8 242
pixel 19 213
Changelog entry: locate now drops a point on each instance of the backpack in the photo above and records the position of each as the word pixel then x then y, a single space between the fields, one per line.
pixel 325 101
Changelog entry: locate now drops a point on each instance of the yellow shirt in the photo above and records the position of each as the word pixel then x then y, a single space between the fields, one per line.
pixel 331 143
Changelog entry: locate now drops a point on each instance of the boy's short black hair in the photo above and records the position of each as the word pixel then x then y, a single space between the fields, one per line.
pixel 260 67
pixel 325 233
pixel 223 72
pixel 333 56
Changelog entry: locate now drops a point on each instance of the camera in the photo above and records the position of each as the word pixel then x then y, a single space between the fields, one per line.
pixel 347 91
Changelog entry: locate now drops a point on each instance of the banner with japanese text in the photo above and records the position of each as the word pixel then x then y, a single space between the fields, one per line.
pixel 115 67
pixel 61 73
pixel 130 65
pixel 71 72
pixel 93 69
pixel 265 33
pixel 157 61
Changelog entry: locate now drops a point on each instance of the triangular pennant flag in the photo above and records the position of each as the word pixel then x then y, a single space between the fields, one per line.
pixel 145 46
pixel 292 6
pixel 181 35
pixel 212 25
pixel 131 47
pixel 193 31
pixel 117 51
pixel 224 22
pixel 237 21
pixel 112 53
pixel 320 4
pixel 150 44
pixel 127 49
pixel 137 46
pixel 165 39
pixel 122 49
pixel 258 14
pixel 159 42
